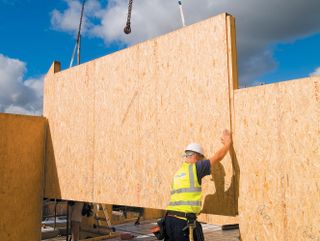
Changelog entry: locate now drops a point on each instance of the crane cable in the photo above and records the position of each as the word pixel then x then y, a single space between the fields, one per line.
pixel 127 28
pixel 78 42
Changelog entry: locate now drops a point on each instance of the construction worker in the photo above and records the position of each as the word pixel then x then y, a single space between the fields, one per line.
pixel 76 218
pixel 185 201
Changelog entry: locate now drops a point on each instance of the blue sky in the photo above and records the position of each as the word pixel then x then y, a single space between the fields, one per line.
pixel 277 40
pixel 27 34
pixel 294 60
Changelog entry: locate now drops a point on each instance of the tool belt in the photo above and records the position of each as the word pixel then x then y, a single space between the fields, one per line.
pixel 191 223
pixel 191 217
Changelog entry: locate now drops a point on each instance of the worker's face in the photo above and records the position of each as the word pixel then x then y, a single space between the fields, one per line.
pixel 193 157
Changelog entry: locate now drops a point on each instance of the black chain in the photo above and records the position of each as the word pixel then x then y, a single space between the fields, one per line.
pixel 127 28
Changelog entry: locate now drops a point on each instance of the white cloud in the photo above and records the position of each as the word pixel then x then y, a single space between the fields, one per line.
pixel 68 20
pixel 17 95
pixel 150 18
pixel 260 24
pixel 316 72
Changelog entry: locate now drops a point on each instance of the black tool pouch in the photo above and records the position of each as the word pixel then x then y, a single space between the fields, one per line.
pixel 160 233
pixel 191 218
pixel 199 234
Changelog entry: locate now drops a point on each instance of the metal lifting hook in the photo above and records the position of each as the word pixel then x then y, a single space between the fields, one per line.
pixel 127 28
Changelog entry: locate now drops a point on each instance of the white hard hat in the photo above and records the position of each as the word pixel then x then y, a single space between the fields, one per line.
pixel 195 147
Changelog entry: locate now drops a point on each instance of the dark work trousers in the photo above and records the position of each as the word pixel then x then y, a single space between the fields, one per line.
pixel 174 230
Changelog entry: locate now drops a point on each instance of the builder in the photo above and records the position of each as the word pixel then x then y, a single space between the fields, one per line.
pixel 185 201
pixel 76 218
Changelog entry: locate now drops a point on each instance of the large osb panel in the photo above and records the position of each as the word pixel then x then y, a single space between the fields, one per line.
pixel 177 95
pixel 69 106
pixel 148 102
pixel 277 142
pixel 22 145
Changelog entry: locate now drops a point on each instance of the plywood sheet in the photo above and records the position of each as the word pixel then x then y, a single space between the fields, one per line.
pixel 168 97
pixel 123 120
pixel 277 144
pixel 22 145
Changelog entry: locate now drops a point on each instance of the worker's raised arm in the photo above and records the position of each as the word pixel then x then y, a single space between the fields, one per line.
pixel 219 155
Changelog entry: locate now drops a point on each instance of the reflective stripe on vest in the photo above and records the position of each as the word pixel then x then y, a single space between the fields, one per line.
pixel 188 197
pixel 195 203
pixel 195 189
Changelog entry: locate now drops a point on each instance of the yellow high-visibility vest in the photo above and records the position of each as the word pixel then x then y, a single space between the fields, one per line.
pixel 186 190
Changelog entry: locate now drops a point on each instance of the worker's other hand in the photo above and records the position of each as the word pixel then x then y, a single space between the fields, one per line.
pixel 226 138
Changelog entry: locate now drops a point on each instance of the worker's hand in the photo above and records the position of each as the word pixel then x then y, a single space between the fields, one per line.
pixel 226 138
pixel 220 154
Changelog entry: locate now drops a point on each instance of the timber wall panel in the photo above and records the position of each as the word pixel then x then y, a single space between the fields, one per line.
pixel 22 150
pixel 277 142
pixel 161 110
pixel 141 107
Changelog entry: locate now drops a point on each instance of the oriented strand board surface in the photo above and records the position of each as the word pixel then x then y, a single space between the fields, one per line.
pixel 70 136
pixel 224 200
pixel 22 148
pixel 277 141
pixel 119 124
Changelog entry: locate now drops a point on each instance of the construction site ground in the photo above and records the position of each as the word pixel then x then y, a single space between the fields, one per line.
pixel 142 232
